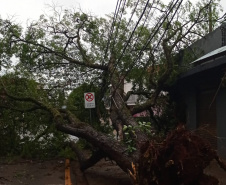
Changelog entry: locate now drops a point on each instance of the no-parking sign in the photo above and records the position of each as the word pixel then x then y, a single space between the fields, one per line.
pixel 89 100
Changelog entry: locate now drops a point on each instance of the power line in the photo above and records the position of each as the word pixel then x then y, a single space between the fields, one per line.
pixel 120 19
pixel 157 27
pixel 152 36
pixel 130 19
pixel 104 80
pixel 132 13
pixel 164 31
pixel 116 35
pixel 128 41
pixel 112 26
pixel 143 25
pixel 169 23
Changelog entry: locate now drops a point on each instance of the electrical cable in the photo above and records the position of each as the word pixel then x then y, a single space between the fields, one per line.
pixel 130 19
pixel 112 26
pixel 152 36
pixel 170 22
pixel 128 41
pixel 143 25
pixel 165 29
pixel 104 81
pixel 148 41
pixel 120 19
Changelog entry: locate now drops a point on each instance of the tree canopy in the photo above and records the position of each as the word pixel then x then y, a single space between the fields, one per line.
pixel 139 44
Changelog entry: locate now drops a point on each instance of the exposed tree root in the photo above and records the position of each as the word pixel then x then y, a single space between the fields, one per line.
pixel 180 159
pixel 221 163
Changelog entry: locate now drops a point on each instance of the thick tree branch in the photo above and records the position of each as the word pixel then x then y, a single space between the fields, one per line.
pixel 20 110
pixel 112 148
pixel 92 160
pixel 47 50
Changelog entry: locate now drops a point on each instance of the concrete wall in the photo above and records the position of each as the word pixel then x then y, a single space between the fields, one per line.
pixel 221 122
pixel 208 43
pixel 191 124
pixel 203 46
pixel 190 101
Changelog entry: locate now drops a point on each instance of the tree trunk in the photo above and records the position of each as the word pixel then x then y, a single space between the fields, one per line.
pixel 107 144
pixel 180 159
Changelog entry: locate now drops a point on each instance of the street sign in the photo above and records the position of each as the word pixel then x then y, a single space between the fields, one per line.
pixel 89 100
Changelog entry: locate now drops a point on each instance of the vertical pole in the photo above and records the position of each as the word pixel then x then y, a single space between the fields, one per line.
pixel 90 116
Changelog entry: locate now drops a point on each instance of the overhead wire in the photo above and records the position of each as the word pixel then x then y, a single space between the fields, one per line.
pixel 157 27
pixel 140 29
pixel 115 17
pixel 155 32
pixel 120 19
pixel 128 41
pixel 112 26
pixel 113 23
pixel 156 46
pixel 167 25
pixel 144 23
pixel 134 45
pixel 130 19
pixel 104 83
pixel 170 21
pixel 132 13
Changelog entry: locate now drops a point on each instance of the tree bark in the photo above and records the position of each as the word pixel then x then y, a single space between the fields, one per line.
pixel 112 148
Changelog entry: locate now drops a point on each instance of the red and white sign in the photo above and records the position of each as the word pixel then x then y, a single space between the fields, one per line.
pixel 89 100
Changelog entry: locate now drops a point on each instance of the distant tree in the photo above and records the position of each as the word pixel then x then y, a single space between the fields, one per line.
pixel 70 48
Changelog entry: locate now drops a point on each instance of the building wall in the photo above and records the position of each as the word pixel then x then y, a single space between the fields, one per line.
pixel 206 77
pixel 190 101
pixel 221 122
pixel 192 123
pixel 209 42
pixel 133 98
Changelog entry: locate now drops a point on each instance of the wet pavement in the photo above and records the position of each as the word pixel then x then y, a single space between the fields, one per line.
pixel 51 172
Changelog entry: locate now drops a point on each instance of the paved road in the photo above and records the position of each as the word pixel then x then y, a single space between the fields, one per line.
pixel 50 172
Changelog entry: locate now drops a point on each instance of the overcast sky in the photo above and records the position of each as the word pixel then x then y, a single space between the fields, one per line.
pixel 23 10
pixel 32 9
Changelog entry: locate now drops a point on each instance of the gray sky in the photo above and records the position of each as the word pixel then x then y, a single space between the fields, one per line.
pixel 23 10
pixel 32 9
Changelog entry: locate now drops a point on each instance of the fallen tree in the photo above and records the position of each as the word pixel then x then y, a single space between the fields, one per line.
pixel 72 48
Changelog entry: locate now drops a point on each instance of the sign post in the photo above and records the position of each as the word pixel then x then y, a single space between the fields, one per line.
pixel 89 98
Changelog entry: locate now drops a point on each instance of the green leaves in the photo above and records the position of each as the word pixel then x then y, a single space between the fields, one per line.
pixel 26 128
pixel 130 132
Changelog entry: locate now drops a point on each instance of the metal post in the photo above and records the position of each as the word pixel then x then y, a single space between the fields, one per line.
pixel 90 116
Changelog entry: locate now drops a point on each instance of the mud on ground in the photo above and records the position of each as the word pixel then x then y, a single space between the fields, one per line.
pixel 51 172
pixel 31 172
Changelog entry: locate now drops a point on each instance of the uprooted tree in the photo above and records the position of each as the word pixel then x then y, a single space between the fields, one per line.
pixel 69 48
